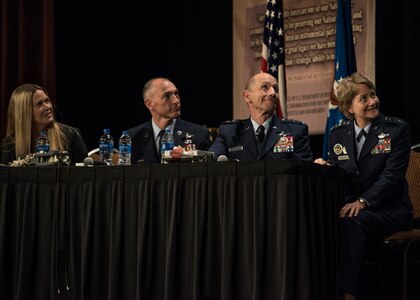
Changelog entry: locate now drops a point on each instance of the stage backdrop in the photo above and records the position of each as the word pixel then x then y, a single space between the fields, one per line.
pixel 309 28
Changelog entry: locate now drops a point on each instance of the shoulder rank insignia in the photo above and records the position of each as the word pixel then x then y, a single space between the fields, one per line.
pixel 292 121
pixel 341 124
pixel 392 120
pixel 237 121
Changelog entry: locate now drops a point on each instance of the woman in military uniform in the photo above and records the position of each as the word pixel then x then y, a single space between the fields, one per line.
pixel 374 151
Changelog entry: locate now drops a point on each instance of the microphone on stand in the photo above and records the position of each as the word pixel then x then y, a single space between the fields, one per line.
pixel 223 158
pixel 89 162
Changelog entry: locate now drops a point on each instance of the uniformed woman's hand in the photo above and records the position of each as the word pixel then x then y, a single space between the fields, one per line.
pixel 320 161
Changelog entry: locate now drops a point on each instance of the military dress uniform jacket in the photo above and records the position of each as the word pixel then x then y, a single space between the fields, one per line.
pixel 144 146
pixel 285 139
pixel 378 175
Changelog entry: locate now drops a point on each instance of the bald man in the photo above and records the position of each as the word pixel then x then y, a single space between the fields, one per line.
pixel 263 136
pixel 161 97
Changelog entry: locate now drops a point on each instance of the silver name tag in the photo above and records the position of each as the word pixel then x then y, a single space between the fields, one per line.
pixel 236 148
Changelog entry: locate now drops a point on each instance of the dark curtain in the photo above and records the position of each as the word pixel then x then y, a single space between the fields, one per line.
pixel 261 230
pixel 107 53
pixel 27 48
pixel 398 61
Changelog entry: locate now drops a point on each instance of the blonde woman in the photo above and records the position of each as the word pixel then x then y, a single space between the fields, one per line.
pixel 31 111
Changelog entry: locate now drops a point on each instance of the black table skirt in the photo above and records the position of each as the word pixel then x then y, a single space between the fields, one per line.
pixel 258 230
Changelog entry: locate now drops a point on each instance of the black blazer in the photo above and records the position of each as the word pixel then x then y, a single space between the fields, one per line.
pixel 76 146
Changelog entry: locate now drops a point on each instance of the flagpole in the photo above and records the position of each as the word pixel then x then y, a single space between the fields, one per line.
pixel 344 65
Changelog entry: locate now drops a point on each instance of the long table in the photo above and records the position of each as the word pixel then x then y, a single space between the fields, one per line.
pixel 227 230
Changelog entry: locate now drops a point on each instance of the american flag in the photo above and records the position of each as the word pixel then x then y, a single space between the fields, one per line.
pixel 273 50
pixel 344 65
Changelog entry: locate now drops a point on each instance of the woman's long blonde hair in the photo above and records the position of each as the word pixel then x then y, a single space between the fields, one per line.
pixel 19 121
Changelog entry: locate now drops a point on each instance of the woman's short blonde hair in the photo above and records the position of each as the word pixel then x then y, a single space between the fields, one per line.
pixel 347 89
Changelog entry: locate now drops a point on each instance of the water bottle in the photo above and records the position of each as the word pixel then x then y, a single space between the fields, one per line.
pixel 124 149
pixel 106 147
pixel 42 143
pixel 167 143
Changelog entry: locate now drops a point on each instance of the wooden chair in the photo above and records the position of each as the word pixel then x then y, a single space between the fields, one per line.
pixel 214 131
pixel 405 242
pixel 94 154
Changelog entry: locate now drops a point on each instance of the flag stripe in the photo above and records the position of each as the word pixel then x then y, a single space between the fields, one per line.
pixel 273 54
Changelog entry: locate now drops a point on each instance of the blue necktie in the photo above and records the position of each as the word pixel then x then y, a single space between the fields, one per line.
pixel 260 134
pixel 361 133
pixel 159 138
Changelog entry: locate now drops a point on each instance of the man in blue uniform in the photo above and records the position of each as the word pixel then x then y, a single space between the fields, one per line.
pixel 374 151
pixel 263 136
pixel 162 99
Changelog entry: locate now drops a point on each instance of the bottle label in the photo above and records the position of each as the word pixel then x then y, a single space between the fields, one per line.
pixel 105 147
pixel 167 146
pixel 124 149
pixel 42 144
pixel 42 148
